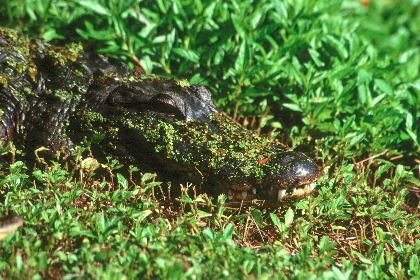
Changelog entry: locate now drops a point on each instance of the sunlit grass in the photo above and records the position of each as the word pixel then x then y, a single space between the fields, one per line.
pixel 334 79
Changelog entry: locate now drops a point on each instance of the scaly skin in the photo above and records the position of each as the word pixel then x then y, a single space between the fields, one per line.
pixel 56 96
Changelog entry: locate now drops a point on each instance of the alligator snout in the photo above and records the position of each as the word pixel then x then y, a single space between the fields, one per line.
pixel 292 169
pixel 293 174
pixel 286 174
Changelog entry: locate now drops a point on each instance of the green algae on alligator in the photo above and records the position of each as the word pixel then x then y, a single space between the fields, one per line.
pixel 58 96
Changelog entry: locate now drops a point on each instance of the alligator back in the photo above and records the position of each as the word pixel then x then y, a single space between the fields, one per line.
pixel 41 87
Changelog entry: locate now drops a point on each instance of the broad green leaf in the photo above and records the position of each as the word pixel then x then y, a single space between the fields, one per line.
pixel 362 258
pixel 208 233
pixel 228 232
pixel 142 215
pixel 409 127
pixel 188 54
pixel 94 7
pixel 288 217
pixel 378 99
pixel 122 181
pixel 275 219
pixel 243 57
pixel 339 46
pixel 363 77
pixel 238 24
pixel 384 86
pixel 293 107
pixel 326 245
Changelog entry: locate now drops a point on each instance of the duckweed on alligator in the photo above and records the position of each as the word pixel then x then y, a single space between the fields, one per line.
pixel 58 96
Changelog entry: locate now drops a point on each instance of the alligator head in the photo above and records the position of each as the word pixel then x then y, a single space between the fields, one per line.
pixel 177 128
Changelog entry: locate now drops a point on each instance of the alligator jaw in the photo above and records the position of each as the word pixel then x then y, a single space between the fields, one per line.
pixel 282 194
pixel 285 194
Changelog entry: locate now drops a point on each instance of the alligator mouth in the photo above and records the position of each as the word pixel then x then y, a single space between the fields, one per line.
pixel 295 192
pixel 272 194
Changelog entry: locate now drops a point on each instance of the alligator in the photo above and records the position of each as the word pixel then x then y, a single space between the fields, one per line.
pixel 58 96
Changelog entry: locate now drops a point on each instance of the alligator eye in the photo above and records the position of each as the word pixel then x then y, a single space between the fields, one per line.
pixel 167 104
pixel 165 99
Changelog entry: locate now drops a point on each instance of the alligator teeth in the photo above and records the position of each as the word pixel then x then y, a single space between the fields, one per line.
pixel 310 187
pixel 298 192
pixel 244 195
pixel 295 192
pixel 281 194
pixel 231 194
pixel 303 191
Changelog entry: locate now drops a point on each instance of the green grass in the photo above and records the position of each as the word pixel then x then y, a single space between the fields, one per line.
pixel 334 79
